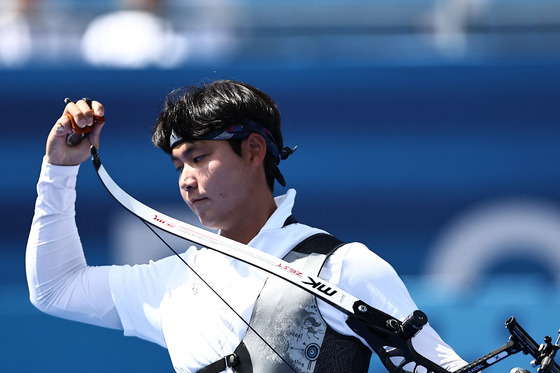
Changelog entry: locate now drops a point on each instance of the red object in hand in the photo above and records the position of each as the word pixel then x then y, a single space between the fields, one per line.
pixel 86 129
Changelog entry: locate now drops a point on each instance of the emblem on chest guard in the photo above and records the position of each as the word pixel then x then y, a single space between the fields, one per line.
pixel 305 339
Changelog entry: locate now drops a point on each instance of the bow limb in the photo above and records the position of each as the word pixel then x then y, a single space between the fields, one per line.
pixel 338 298
pixel 387 336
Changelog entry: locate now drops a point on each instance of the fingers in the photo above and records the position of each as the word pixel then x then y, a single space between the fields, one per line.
pixel 81 115
pixel 85 116
pixel 73 133
pixel 98 111
pixel 99 121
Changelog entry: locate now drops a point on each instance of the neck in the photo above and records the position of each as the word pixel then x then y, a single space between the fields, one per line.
pixel 254 218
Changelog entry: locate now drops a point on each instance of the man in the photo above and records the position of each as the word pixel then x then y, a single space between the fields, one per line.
pixel 224 139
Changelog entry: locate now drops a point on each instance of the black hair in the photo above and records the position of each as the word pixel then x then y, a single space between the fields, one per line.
pixel 192 112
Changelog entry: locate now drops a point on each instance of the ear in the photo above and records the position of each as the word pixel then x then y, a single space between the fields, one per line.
pixel 256 146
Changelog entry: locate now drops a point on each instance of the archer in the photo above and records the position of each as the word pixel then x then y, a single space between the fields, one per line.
pixel 225 142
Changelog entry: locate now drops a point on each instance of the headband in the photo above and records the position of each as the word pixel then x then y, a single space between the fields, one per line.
pixel 242 131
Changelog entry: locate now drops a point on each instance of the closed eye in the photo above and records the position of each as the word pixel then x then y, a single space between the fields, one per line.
pixel 198 158
pixel 179 166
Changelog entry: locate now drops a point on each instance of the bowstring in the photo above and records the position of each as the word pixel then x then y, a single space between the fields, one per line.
pixel 217 294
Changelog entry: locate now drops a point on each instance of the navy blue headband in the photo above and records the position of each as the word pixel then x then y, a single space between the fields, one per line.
pixel 242 131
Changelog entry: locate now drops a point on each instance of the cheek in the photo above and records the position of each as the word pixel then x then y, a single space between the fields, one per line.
pixel 221 178
pixel 227 179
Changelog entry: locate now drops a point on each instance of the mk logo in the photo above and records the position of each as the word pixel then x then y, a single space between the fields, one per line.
pixel 320 287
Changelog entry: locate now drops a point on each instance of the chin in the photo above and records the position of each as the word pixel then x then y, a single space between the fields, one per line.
pixel 208 223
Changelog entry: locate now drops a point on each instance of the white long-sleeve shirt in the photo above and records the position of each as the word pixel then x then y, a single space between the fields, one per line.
pixel 166 303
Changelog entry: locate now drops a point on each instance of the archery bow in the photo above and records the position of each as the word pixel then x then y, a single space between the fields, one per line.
pixel 390 338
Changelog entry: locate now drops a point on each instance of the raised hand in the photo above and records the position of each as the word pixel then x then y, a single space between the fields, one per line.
pixel 83 116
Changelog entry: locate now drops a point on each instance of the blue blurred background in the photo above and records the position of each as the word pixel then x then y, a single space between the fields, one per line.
pixel 426 129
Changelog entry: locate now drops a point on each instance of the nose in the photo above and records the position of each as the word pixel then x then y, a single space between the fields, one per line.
pixel 187 180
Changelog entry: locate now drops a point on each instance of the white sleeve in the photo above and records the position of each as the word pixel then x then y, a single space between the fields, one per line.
pixel 138 292
pixel 357 270
pixel 59 280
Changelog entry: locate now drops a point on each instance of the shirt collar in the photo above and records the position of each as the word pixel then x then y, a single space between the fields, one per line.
pixel 284 205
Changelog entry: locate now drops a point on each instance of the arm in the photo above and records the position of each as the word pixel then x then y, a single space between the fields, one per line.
pixel 361 272
pixel 60 282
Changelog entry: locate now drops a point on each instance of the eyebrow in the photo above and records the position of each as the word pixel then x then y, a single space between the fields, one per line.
pixel 194 146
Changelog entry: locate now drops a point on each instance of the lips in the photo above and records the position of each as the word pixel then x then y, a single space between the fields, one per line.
pixel 195 201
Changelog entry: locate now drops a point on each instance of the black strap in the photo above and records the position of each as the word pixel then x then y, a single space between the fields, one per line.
pixel 221 365
pixel 320 243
